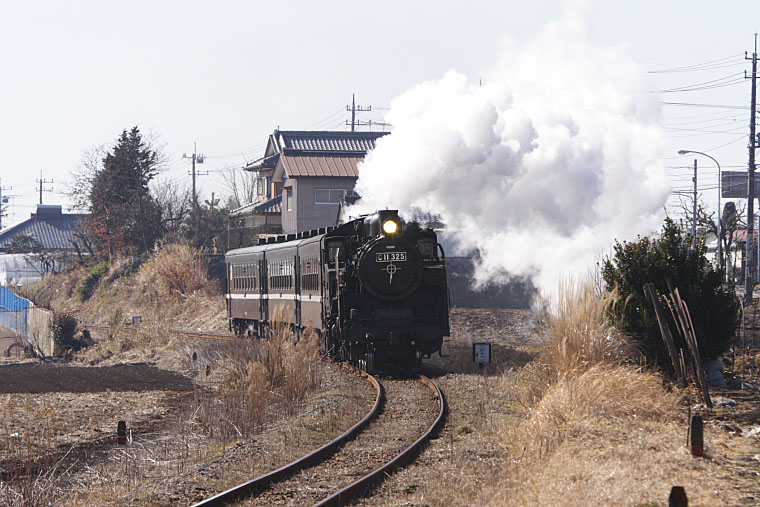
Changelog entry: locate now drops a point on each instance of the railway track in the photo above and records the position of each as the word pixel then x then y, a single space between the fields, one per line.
pixel 406 413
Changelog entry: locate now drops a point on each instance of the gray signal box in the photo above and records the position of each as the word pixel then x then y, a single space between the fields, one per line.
pixel 481 352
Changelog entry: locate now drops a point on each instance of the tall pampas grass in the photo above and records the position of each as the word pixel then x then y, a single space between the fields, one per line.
pixel 578 334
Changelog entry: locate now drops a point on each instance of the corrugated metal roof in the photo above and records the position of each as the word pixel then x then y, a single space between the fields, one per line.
pixel 51 228
pixel 332 165
pixel 327 141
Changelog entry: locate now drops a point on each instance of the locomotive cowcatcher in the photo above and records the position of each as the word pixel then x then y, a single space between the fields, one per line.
pixel 374 288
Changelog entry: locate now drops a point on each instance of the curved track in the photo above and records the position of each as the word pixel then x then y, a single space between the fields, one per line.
pixel 249 488
pixel 396 430
pixel 365 483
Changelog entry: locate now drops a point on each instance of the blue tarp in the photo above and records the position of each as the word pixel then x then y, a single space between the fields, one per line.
pixel 10 302
pixel 14 311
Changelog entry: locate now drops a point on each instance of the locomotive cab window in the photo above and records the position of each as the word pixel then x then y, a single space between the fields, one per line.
pixel 427 248
pixel 333 249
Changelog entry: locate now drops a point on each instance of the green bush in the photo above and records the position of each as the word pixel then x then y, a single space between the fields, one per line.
pixel 87 285
pixel 713 306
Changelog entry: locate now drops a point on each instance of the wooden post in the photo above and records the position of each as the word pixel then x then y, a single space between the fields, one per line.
pixel 697 436
pixel 678 497
pixel 121 433
pixel 680 312
pixel 651 295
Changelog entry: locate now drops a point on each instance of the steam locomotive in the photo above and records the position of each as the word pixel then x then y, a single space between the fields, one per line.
pixel 374 288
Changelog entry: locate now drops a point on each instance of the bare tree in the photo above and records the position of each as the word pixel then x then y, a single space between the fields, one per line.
pixel 241 186
pixel 732 222
pixel 82 176
pixel 175 203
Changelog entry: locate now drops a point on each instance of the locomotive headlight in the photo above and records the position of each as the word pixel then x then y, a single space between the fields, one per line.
pixel 390 227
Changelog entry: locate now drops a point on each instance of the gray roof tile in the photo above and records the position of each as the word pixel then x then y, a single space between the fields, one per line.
pixel 52 228
pixel 328 141
pixel 273 205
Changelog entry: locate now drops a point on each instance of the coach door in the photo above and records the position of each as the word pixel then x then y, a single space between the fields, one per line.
pixel 297 289
pixel 263 298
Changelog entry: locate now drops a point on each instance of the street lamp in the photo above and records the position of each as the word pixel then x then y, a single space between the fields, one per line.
pixel 720 217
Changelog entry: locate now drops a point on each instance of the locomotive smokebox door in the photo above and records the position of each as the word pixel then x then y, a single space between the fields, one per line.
pixel 481 352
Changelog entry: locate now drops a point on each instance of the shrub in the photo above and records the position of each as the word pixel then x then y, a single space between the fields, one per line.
pixel 713 307
pixel 87 285
pixel 64 328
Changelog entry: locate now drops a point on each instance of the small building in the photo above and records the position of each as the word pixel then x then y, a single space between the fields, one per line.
pixel 53 234
pixel 254 220
pixel 312 172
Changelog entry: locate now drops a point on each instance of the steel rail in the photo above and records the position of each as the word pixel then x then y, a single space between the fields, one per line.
pixel 363 484
pixel 245 490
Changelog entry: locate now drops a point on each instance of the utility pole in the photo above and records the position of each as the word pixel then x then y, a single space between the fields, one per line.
pixel 694 216
pixel 197 159
pixel 3 201
pixel 42 189
pixel 355 109
pixel 749 268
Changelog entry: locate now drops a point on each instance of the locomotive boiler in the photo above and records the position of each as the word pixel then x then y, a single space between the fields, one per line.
pixel 374 288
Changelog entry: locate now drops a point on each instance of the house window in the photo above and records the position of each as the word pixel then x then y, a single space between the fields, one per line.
pixel 331 195
pixel 289 199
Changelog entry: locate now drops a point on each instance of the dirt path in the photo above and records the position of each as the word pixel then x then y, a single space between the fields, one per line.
pixel 56 378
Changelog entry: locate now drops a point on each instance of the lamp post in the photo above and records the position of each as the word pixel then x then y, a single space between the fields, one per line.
pixel 720 217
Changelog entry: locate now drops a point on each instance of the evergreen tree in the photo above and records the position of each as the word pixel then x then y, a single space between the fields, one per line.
pixel 124 216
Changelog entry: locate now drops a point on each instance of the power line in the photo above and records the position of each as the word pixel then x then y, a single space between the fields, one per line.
pixel 709 65
pixel 713 106
pixel 702 87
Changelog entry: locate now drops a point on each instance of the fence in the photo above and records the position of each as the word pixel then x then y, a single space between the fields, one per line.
pixel 20 319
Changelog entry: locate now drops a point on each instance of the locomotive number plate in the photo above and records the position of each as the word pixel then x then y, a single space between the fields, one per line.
pixel 390 256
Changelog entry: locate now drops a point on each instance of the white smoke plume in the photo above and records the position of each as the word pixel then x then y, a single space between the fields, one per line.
pixel 540 168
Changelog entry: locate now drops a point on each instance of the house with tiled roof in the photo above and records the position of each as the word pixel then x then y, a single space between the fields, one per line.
pixel 49 226
pixel 312 172
pixel 52 231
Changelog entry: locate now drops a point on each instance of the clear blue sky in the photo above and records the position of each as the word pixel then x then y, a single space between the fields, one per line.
pixel 225 74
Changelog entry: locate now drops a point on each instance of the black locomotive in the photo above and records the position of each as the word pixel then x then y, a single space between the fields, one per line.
pixel 374 288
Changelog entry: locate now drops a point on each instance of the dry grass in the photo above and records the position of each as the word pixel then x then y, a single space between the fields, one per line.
pixel 596 431
pixel 176 269
pixel 30 475
pixel 577 334
pixel 601 393
pixel 263 380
